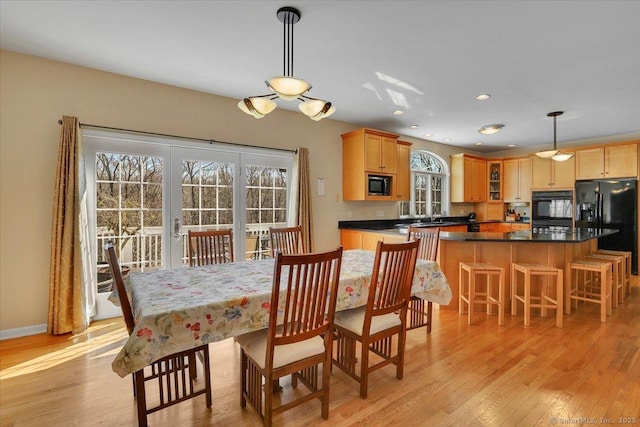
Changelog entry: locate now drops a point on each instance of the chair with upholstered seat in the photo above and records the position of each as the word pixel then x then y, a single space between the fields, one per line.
pixel 299 343
pixel 419 315
pixel 287 240
pixel 175 373
pixel 382 321
pixel 210 247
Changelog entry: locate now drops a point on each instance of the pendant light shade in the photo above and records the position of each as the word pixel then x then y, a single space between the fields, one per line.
pixel 316 109
pixel 554 154
pixel 287 87
pixel 257 106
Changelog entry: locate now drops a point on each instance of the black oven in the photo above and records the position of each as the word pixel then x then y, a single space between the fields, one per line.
pixel 551 210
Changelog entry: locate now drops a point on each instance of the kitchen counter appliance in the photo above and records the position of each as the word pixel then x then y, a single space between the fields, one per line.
pixel 610 203
pixel 551 210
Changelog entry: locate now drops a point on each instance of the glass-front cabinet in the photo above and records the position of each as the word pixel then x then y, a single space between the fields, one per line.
pixel 495 181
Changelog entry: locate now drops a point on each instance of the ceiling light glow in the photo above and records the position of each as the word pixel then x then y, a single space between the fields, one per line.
pixel 490 129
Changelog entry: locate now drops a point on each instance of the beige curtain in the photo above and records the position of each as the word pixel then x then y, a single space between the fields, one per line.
pixel 300 209
pixel 71 299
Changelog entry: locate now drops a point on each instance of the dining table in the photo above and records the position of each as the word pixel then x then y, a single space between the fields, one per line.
pixel 181 308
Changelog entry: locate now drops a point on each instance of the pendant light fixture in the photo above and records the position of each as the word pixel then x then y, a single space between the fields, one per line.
pixel 554 154
pixel 286 86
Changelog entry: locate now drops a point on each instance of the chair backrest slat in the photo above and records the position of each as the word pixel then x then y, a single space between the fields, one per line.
pixel 429 239
pixel 118 286
pixel 310 285
pixel 210 247
pixel 391 278
pixel 287 240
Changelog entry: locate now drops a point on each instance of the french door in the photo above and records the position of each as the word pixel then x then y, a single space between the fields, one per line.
pixel 145 194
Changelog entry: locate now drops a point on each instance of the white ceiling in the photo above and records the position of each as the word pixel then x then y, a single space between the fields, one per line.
pixel 369 58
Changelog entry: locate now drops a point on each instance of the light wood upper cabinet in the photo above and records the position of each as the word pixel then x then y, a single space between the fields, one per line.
pixel 494 178
pixel 468 179
pixel 547 173
pixel 369 151
pixel 403 171
pixel 380 152
pixel 616 161
pixel 517 180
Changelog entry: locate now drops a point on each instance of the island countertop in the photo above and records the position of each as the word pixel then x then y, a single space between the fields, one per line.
pixel 576 235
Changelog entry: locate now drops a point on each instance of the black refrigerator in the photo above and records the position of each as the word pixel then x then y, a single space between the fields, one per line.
pixel 610 203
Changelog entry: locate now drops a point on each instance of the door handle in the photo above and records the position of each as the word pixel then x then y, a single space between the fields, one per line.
pixel 177 232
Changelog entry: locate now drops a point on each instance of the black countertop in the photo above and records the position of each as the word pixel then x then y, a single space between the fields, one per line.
pixel 392 226
pixel 387 225
pixel 577 235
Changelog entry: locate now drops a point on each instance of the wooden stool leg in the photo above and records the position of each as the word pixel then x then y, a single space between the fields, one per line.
pixel 605 303
pixel 559 302
pixel 514 290
pixel 501 298
pixel 527 299
pixel 489 293
pixel 460 290
pixel 472 296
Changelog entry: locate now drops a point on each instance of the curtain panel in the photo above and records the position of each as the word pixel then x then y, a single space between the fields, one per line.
pixel 303 192
pixel 71 284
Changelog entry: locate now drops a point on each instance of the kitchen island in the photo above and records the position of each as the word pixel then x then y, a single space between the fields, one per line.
pixel 556 249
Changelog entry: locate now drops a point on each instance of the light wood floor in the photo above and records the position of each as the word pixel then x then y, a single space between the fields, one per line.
pixel 460 375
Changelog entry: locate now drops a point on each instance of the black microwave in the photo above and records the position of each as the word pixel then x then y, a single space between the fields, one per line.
pixel 379 185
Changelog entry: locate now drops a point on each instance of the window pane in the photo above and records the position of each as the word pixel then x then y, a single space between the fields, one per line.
pixel 130 197
pixel 130 168
pixel 266 197
pixel 152 196
pixel 209 197
pixel 225 198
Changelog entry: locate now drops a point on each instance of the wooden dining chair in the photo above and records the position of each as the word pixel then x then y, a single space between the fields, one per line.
pixel 298 340
pixel 175 374
pixel 210 247
pixel 419 315
pixel 384 317
pixel 287 240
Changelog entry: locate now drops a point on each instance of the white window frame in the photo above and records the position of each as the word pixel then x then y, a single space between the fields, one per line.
pixel 444 191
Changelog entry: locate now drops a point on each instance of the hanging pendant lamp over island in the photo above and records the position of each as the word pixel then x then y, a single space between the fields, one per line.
pixel 554 154
pixel 286 86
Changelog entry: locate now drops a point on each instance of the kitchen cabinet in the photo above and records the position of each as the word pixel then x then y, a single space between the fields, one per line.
pixel 503 227
pixel 517 180
pixel 548 173
pixel 615 161
pixel 367 240
pixel 495 180
pixel 403 171
pixel 368 151
pixel 468 179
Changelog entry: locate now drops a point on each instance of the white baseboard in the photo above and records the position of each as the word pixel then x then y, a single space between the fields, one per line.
pixel 23 332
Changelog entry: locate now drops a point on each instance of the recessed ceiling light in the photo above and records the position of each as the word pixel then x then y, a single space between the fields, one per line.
pixel 490 129
pixel 483 97
pixel 414 126
pixel 398 113
pixel 511 145
pixel 446 140
pixel 478 143
pixel 428 135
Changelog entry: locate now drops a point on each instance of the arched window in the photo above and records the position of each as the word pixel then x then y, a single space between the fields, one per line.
pixel 429 186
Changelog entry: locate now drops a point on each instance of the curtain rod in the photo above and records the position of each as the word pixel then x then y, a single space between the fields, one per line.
pixel 210 141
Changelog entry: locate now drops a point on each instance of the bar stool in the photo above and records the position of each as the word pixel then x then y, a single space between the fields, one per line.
pixel 590 293
pixel 627 266
pixel 617 275
pixel 471 270
pixel 544 301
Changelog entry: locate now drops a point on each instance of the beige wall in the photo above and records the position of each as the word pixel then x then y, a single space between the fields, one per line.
pixel 35 93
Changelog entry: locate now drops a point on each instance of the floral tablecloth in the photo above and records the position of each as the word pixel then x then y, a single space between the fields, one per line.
pixel 182 308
